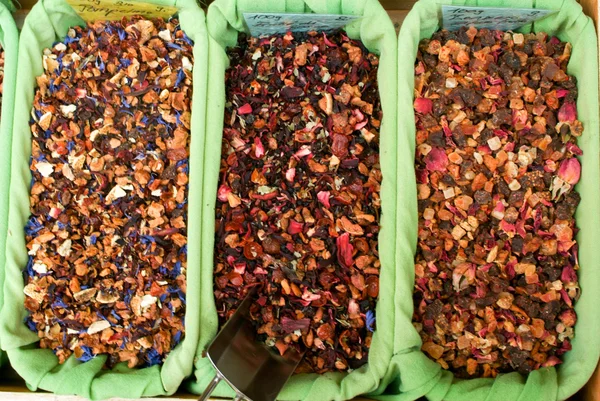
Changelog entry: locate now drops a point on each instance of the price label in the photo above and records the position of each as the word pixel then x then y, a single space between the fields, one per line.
pixel 265 24
pixel 503 19
pixel 98 10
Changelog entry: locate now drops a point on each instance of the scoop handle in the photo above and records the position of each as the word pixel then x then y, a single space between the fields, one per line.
pixel 210 388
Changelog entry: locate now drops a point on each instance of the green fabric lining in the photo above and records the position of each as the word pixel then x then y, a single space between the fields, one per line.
pixel 420 376
pixel 49 21
pixel 9 39
pixel 224 21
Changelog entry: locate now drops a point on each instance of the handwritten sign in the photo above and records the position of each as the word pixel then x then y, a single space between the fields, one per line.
pixel 503 19
pixel 97 10
pixel 264 24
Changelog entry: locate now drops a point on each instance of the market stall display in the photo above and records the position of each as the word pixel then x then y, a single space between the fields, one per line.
pixel 477 279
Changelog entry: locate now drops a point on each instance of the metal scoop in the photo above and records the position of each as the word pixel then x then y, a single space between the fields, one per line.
pixel 253 370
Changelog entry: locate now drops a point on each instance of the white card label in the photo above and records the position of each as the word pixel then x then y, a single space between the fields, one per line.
pixel 265 24
pixel 503 19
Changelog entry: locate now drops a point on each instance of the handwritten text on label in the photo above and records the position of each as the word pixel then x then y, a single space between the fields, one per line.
pixel 264 24
pixel 504 19
pixel 94 10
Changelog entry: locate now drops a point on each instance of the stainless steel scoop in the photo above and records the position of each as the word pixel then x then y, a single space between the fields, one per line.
pixel 253 370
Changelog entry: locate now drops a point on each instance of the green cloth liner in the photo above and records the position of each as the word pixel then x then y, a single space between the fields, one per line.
pixel 48 22
pixel 418 375
pixel 9 39
pixel 375 29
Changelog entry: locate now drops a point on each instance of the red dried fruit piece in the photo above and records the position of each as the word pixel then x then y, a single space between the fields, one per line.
pixel 339 146
pixel 223 193
pixel 423 105
pixel 323 197
pixel 245 109
pixel 325 331
pixel 290 325
pixel 344 250
pixel 295 227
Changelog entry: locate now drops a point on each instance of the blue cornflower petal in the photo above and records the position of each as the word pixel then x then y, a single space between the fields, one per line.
pixel 370 320
pixel 153 358
pixel 180 77
pixel 87 354
pixel 30 324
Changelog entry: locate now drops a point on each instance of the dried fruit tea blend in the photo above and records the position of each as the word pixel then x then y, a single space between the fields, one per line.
pixel 298 202
pixel 107 233
pixel 496 164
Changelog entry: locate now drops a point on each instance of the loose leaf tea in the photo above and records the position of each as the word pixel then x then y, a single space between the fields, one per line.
pixel 496 163
pixel 298 203
pixel 107 232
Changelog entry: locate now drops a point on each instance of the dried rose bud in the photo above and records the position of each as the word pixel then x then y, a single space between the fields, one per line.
pixel 567 112
pixel 436 160
pixel 570 171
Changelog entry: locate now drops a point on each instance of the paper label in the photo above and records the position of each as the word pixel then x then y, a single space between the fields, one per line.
pixel 264 24
pixel 99 10
pixel 503 19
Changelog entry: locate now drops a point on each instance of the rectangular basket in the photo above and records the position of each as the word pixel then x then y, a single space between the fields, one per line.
pixel 9 39
pixel 48 22
pixel 225 21
pixel 421 376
